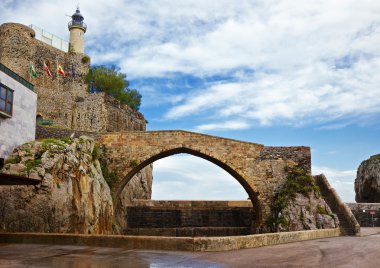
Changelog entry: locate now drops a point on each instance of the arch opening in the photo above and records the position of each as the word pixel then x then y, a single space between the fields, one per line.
pixel 187 177
pixel 252 194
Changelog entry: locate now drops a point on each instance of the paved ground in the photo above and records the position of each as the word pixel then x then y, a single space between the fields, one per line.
pixel 330 252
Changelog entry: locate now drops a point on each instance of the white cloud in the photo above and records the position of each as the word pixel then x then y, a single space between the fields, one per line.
pixel 228 125
pixel 186 177
pixel 342 180
pixel 302 62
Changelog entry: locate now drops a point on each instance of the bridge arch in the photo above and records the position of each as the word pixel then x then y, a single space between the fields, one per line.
pixel 258 168
pixel 250 190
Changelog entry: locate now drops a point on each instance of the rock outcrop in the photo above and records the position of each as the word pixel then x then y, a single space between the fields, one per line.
pixel 300 206
pixel 73 196
pixel 308 213
pixel 367 182
pixel 139 187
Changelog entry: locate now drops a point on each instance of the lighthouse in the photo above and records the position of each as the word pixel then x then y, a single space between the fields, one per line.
pixel 77 29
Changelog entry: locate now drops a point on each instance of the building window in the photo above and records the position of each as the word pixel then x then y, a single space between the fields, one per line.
pixel 6 100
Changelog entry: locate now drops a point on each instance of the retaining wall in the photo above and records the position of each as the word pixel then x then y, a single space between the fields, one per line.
pixel 170 243
pixel 367 214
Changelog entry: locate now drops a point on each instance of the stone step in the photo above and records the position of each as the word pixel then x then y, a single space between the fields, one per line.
pixel 189 231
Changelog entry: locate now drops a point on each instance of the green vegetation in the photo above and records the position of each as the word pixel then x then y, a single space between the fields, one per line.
pixel 114 83
pixel 376 156
pixel 32 164
pixel 85 59
pixel 13 159
pixel 321 210
pixel 133 163
pixel 44 122
pixel 96 152
pixel 110 176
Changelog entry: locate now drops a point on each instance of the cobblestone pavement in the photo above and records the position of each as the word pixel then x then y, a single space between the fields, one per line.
pixel 329 252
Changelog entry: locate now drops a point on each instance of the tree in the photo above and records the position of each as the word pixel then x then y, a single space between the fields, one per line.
pixel 114 83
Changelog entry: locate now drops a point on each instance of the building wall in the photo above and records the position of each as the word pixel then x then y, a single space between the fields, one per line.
pixel 65 100
pixel 20 128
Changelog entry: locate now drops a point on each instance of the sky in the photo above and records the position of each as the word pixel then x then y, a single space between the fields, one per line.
pixel 278 73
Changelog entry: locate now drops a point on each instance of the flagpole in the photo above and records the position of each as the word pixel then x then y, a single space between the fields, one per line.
pixel 56 71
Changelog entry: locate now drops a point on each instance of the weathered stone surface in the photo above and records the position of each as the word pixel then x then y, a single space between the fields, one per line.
pixel 63 99
pixel 308 213
pixel 72 198
pixel 260 171
pixel 139 187
pixel 367 182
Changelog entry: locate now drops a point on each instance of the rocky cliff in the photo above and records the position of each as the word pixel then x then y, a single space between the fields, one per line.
pixel 367 182
pixel 73 196
pixel 300 206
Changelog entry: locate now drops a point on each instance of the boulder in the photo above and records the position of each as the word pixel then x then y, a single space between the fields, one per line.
pixel 367 182
pixel 299 205
pixel 73 196
pixel 308 213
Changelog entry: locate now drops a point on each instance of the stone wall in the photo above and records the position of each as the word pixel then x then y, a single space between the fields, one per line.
pixel 105 114
pixel 63 99
pixel 367 214
pixel 170 243
pixel 298 154
pixel 259 171
pixel 44 132
pixel 189 218
pixel 19 128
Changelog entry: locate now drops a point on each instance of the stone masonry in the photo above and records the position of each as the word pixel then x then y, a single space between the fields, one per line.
pixel 63 99
pixel 260 172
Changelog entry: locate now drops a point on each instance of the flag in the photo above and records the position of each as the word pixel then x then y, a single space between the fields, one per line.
pixel 46 69
pixel 32 71
pixel 60 70
pixel 72 71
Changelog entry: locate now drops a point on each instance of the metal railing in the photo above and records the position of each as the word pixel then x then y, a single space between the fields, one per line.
pixel 79 24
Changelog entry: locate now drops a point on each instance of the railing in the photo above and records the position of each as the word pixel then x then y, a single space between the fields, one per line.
pixel 16 77
pixel 50 39
pixel 79 24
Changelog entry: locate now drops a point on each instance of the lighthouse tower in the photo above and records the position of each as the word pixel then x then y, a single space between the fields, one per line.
pixel 77 29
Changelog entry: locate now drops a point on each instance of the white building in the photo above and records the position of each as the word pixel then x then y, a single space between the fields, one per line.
pixel 18 107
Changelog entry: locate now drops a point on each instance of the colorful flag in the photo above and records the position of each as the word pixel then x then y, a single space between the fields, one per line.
pixel 46 69
pixel 32 71
pixel 60 70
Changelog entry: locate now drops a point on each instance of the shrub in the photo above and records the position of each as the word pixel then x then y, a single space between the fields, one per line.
pixel 85 59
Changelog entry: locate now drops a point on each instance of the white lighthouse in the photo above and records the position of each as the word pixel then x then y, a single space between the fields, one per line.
pixel 77 29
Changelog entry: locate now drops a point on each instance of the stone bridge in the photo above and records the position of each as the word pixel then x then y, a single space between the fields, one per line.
pixel 259 169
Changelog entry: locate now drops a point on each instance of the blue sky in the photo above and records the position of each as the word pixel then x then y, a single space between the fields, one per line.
pixel 271 72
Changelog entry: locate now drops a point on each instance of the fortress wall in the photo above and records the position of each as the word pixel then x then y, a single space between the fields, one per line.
pixel 121 117
pixel 105 114
pixel 65 100
pixel 299 154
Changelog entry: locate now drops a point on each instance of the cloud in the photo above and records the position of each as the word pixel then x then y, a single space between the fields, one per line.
pixel 342 180
pixel 278 62
pixel 186 177
pixel 228 125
